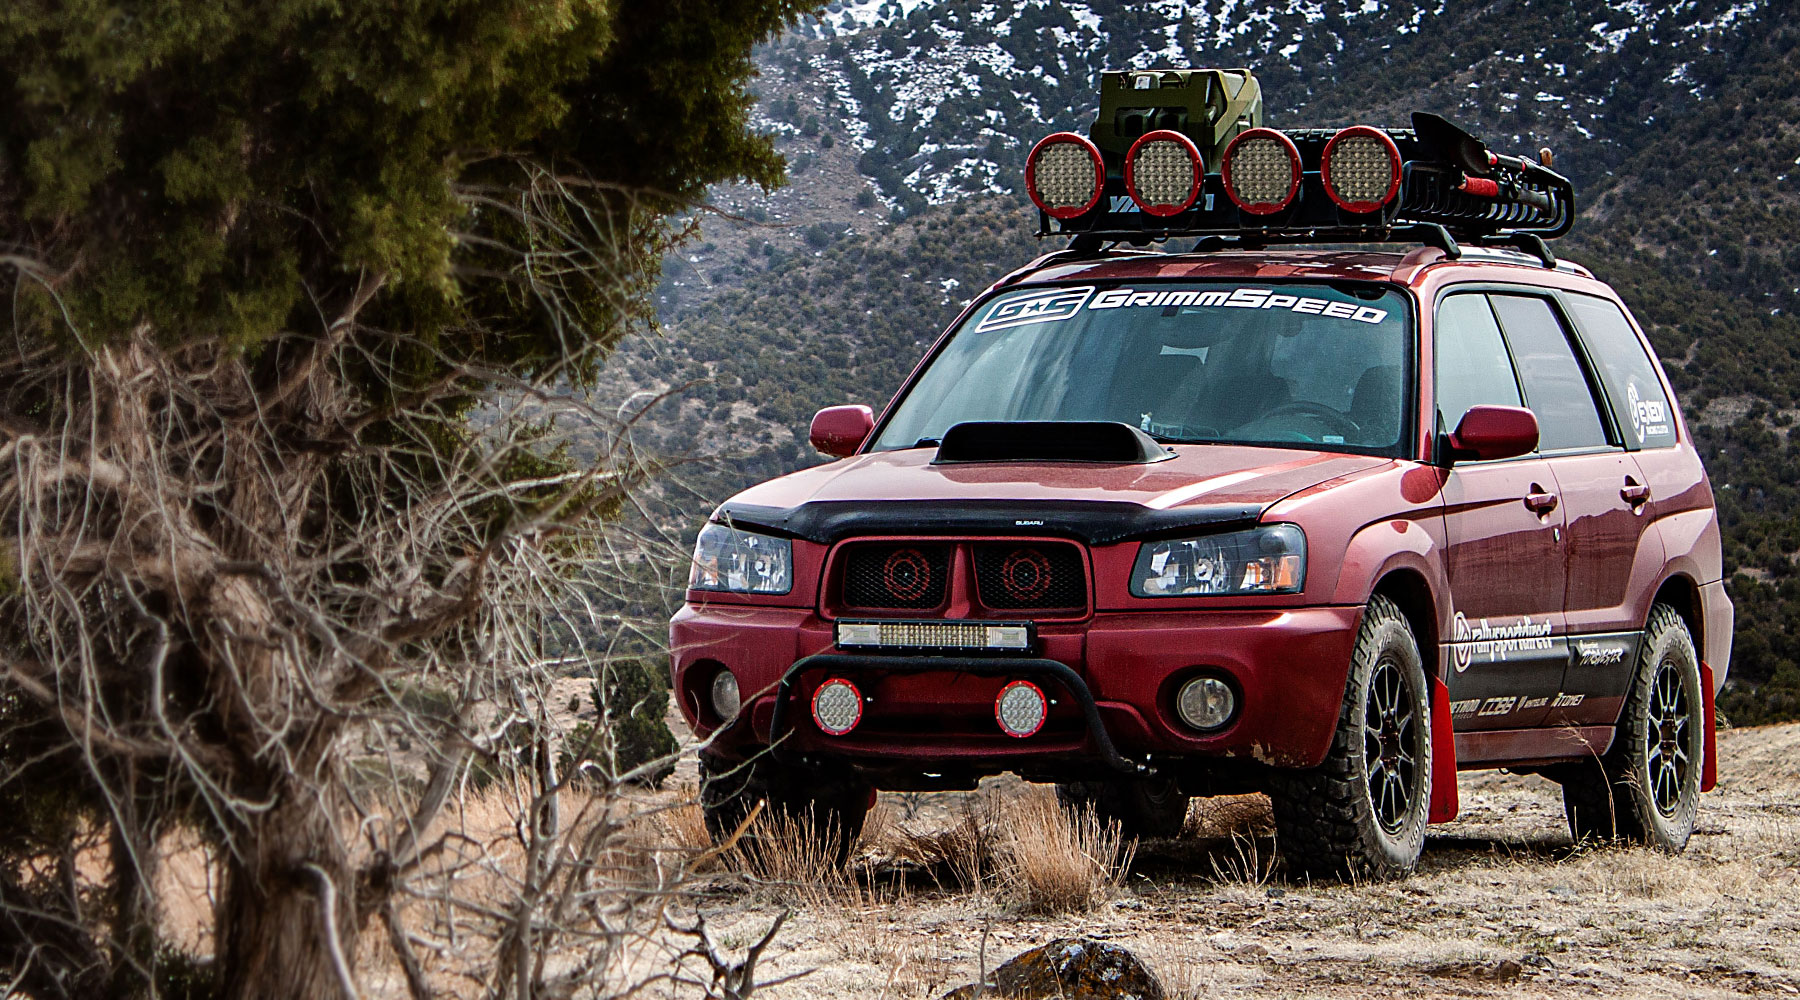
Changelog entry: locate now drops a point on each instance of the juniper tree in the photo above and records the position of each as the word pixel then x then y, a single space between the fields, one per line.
pixel 287 287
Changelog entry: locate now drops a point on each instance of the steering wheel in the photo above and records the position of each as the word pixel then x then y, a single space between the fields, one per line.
pixel 1336 420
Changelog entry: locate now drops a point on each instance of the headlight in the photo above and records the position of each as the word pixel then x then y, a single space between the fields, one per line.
pixel 741 562
pixel 1267 560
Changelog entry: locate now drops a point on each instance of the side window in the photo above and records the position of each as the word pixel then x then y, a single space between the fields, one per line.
pixel 1556 389
pixel 1626 371
pixel 1472 365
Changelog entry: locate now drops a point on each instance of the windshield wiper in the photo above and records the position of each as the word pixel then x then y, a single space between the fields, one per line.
pixel 927 442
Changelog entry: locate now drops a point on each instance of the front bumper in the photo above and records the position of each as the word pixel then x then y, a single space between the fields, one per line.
pixel 936 713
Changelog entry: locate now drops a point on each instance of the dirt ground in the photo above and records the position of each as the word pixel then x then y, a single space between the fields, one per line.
pixel 1503 905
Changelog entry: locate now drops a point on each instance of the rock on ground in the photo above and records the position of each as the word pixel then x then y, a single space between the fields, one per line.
pixel 1070 969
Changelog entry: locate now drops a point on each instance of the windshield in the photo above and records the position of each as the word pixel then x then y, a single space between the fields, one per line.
pixel 1320 366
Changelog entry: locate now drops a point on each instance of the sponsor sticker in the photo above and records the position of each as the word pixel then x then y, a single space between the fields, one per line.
pixel 1237 298
pixel 1496 642
pixel 1649 417
pixel 1044 307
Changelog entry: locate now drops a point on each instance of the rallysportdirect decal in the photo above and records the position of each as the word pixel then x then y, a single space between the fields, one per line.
pixel 1496 642
pixel 1044 307
pixel 1238 298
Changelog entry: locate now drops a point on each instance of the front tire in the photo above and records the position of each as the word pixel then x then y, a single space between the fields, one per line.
pixel 1362 813
pixel 831 806
pixel 1646 788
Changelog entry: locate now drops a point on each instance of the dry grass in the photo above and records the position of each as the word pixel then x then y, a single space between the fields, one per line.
pixel 1060 862
pixel 966 850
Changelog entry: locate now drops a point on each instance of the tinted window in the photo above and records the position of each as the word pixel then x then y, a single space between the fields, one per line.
pixel 1626 371
pixel 1320 366
pixel 1556 389
pixel 1472 366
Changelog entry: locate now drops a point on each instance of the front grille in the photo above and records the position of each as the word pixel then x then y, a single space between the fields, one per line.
pixel 1016 575
pixel 899 575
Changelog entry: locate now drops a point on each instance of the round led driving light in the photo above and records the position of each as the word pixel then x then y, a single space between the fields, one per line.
pixel 1206 703
pixel 725 694
pixel 1262 171
pixel 1163 172
pixel 1361 169
pixel 1021 709
pixel 837 706
pixel 1064 175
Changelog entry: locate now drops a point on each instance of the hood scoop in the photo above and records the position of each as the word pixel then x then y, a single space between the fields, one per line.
pixel 1100 441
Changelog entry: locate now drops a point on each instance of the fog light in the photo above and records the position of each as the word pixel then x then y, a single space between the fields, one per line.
pixel 725 694
pixel 1206 703
pixel 1020 709
pixel 837 706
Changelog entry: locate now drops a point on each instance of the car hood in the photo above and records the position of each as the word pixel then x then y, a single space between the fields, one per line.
pixel 898 491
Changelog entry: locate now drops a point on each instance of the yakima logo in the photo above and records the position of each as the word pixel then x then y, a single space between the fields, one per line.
pixel 1044 307
pixel 1122 203
pixel 1496 642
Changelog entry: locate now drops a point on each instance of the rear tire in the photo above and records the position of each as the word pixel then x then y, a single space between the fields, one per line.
pixel 1143 807
pixel 1362 813
pixel 831 805
pixel 1646 788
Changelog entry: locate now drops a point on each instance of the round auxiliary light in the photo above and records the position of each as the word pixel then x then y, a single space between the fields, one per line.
pixel 1021 709
pixel 1262 171
pixel 1064 175
pixel 1361 169
pixel 1206 703
pixel 725 699
pixel 837 706
pixel 1163 171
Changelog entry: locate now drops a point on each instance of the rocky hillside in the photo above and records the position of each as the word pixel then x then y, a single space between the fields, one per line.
pixel 906 124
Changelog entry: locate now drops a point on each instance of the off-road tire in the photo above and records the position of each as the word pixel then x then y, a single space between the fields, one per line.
pixel 1142 807
pixel 1646 788
pixel 831 805
pixel 1331 821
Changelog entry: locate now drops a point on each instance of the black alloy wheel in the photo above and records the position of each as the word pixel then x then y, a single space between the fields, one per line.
pixel 1362 812
pixel 1646 788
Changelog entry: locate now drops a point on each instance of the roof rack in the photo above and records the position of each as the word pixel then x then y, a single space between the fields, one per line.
pixel 1182 153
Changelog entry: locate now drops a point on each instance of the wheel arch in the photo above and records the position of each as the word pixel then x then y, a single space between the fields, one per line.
pixel 1679 591
pixel 1411 592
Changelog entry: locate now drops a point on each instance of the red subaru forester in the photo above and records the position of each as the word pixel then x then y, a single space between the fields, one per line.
pixel 1327 524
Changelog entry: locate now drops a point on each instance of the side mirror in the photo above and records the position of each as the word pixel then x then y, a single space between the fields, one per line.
pixel 1489 432
pixel 839 430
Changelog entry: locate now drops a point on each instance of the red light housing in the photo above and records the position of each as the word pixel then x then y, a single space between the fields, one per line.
pixel 1361 169
pixel 837 706
pixel 1163 171
pixel 1252 169
pixel 1064 175
pixel 1020 709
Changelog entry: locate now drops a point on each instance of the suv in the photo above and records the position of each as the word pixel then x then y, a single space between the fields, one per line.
pixel 1327 524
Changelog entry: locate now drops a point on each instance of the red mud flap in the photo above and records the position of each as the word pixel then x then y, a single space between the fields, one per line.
pixel 1709 765
pixel 1444 804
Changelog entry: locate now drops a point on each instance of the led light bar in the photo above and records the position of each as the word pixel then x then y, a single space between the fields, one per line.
pixel 936 637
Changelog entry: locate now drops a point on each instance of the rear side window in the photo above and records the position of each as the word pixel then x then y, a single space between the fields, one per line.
pixel 1556 388
pixel 1472 366
pixel 1626 371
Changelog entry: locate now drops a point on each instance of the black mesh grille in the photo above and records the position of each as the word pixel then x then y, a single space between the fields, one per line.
pixel 1012 575
pixel 901 575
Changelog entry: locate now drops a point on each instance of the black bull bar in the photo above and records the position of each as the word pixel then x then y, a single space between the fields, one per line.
pixel 1099 741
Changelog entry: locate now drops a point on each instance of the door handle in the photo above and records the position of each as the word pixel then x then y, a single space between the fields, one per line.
pixel 1540 500
pixel 1635 493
